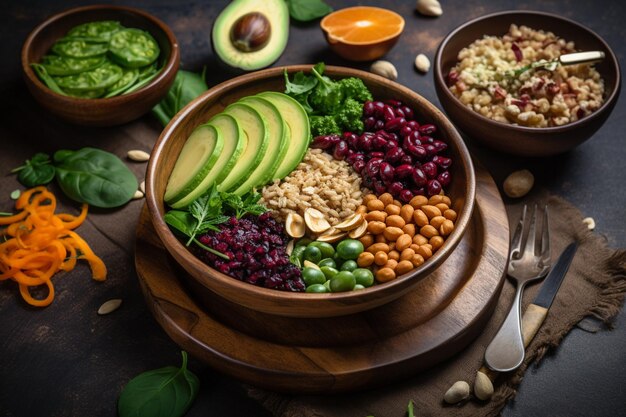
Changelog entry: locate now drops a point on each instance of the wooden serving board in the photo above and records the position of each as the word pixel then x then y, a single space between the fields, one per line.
pixel 445 312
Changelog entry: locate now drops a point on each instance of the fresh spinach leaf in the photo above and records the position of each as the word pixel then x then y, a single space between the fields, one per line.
pixel 186 87
pixel 35 171
pixel 94 176
pixel 164 392
pixel 306 10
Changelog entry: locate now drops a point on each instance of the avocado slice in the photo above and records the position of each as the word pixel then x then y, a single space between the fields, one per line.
pixel 279 139
pixel 200 152
pixel 271 14
pixel 255 128
pixel 235 141
pixel 298 123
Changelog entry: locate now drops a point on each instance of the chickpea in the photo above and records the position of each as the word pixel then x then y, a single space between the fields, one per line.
pixel 386 198
pixel 407 254
pixel 397 203
pixel 436 242
pixel 406 212
pixel 447 200
pixel 392 233
pixel 394 254
pixel 368 198
pixel 450 214
pixel 376 216
pixel 437 221
pixel 425 251
pixel 417 260
pixel 403 267
pixel 418 201
pixel 391 263
pixel 377 247
pixel 375 227
pixel 380 258
pixel 420 240
pixel 375 204
pixel 420 218
pixel 429 211
pixel 409 229
pixel 403 242
pixel 380 238
pixel 395 221
pixel 367 240
pixel 361 209
pixel 446 227
pixel 365 259
pixel 435 199
pixel 414 247
pixel 385 274
pixel 428 231
pixel 392 209
pixel 442 207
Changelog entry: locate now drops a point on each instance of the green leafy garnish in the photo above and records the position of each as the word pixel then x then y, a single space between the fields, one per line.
pixel 409 409
pixel 306 10
pixel 208 211
pixel 333 106
pixel 186 87
pixel 164 392
pixel 35 171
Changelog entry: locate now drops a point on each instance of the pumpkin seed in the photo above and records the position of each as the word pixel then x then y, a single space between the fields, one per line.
pixel 109 306
pixel 138 155
pixel 138 194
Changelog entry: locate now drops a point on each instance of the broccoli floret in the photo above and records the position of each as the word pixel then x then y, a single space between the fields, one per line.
pixel 349 117
pixel 354 88
pixel 323 125
pixel 327 95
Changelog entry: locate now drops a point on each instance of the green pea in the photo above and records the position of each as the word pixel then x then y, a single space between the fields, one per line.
pixel 317 288
pixel 329 271
pixel 133 48
pixel 327 249
pixel 338 260
pixel 313 276
pixel 327 262
pixel 343 281
pixel 349 249
pixel 364 277
pixel 313 254
pixel 349 266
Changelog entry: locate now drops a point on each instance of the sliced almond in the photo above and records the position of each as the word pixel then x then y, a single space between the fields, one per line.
pixel 315 220
pixel 332 235
pixel 359 231
pixel 138 155
pixel 294 225
pixel 352 222
pixel 309 264
pixel 109 306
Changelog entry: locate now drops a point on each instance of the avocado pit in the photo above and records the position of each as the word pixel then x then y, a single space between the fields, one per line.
pixel 251 32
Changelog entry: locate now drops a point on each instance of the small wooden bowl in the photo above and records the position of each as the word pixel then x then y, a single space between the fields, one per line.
pixel 102 111
pixel 520 140
pixel 361 51
pixel 169 145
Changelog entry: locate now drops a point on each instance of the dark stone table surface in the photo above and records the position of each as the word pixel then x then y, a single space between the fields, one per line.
pixel 67 361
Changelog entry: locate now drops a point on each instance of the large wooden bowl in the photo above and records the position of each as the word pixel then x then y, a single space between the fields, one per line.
pixel 169 144
pixel 521 140
pixel 101 111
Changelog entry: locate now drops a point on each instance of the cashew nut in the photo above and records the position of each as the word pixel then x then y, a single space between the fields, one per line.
pixel 429 7
pixel 384 69
pixel 422 63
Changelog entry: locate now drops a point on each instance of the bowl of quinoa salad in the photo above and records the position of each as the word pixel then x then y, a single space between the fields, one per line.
pixel 482 85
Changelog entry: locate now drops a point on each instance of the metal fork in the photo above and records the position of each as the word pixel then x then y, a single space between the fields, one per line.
pixel 527 262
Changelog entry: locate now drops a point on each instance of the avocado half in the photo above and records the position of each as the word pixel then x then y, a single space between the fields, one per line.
pixel 277 15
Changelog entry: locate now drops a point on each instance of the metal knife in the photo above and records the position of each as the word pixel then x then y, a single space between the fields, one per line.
pixel 534 315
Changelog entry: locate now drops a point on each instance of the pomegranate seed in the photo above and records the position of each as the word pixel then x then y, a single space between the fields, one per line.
pixel 406 195
pixel 394 155
pixel 433 188
pixel 428 129
pixel 444 178
pixel 430 169
pixel 340 151
pixel 419 178
pixel 404 171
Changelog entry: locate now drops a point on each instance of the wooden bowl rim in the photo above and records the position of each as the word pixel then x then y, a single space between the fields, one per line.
pixel 608 102
pixel 171 64
pixel 174 246
pixel 369 43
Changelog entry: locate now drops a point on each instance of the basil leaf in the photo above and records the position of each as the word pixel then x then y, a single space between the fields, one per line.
pixel 186 87
pixel 164 392
pixel 181 221
pixel 35 171
pixel 96 177
pixel 306 10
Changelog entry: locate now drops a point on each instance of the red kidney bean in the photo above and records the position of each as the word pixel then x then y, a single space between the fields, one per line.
pixel 406 159
pixel 427 129
pixel 378 108
pixel 418 191
pixel 433 187
pixel 406 195
pixel 380 187
pixel 387 171
pixel 373 167
pixel 394 155
pixel 395 123
pixel 398 112
pixel 341 149
pixel 404 171
pixel 405 131
pixel 393 102
pixel 388 113
pixel 413 124
pixel 392 143
pixel 417 151
pixel 419 178
pixel 440 145
pixel 412 139
pixel 358 165
pixel 408 112
pixel 378 142
pixel 395 188
pixel 444 178
pixel 430 149
pixel 368 108
pixel 369 122
pixel 442 161
pixel 324 141
pixel 378 125
pixel 430 169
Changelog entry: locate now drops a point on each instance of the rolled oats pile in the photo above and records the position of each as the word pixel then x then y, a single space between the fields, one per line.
pixel 484 80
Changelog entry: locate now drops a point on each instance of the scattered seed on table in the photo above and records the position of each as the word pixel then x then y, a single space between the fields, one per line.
pixel 591 224
pixel 15 194
pixel 109 306
pixel 142 187
pixel 138 155
pixel 138 194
